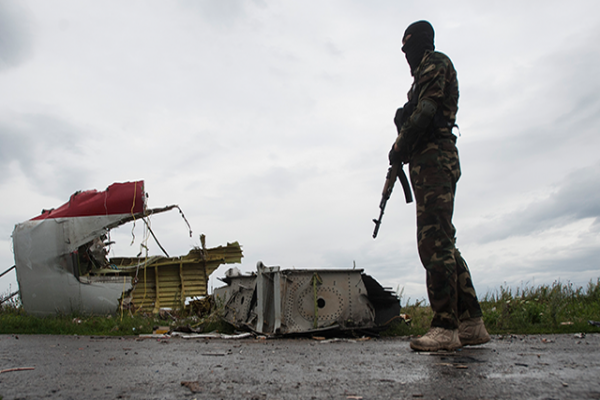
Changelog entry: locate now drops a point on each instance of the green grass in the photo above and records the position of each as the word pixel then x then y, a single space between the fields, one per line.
pixel 13 320
pixel 556 308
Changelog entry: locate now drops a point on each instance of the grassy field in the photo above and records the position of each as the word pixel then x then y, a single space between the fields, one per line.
pixel 13 320
pixel 556 308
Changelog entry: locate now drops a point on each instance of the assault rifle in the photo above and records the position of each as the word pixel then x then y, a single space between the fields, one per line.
pixel 395 170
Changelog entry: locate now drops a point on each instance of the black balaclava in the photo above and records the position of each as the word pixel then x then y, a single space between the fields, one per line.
pixel 421 39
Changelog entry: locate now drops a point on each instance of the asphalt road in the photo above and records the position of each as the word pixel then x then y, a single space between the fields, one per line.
pixel 511 367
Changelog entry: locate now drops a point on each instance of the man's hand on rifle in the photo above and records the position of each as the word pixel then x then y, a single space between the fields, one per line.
pixel 394 155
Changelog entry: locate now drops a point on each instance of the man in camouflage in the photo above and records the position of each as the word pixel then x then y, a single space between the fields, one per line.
pixel 426 142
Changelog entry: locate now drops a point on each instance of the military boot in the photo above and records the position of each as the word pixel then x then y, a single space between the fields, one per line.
pixel 472 332
pixel 437 339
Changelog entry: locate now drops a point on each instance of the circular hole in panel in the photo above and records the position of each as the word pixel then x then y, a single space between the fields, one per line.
pixel 320 303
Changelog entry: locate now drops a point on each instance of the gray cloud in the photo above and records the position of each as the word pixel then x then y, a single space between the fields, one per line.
pixel 221 14
pixel 47 150
pixel 574 198
pixel 16 38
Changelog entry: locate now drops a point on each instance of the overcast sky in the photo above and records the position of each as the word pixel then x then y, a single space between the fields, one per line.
pixel 269 123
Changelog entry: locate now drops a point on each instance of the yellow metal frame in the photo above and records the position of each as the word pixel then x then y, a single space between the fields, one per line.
pixel 168 281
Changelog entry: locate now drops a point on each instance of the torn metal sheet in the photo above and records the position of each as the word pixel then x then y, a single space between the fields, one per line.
pixel 62 265
pixel 275 301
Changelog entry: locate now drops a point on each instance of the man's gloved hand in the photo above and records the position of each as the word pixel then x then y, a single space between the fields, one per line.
pixel 398 118
pixel 394 156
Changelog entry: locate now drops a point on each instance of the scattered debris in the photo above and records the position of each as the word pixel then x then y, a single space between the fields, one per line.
pixel 62 265
pixel 17 369
pixel 214 335
pixel 152 336
pixel 281 302
pixel 579 335
pixel 184 335
pixel 594 323
pixel 194 386
pixel 407 319
pixel 566 323
pixel 161 330
pixel 344 340
pixel 455 365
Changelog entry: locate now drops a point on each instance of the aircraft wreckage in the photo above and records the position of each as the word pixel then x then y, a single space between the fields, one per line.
pixel 62 266
pixel 275 301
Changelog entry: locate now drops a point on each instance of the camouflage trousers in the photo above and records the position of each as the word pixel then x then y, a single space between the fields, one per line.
pixel 434 172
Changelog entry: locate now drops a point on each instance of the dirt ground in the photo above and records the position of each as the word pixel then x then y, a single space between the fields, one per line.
pixel 509 367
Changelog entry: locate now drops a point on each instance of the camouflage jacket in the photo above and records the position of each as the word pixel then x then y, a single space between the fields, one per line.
pixel 434 79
